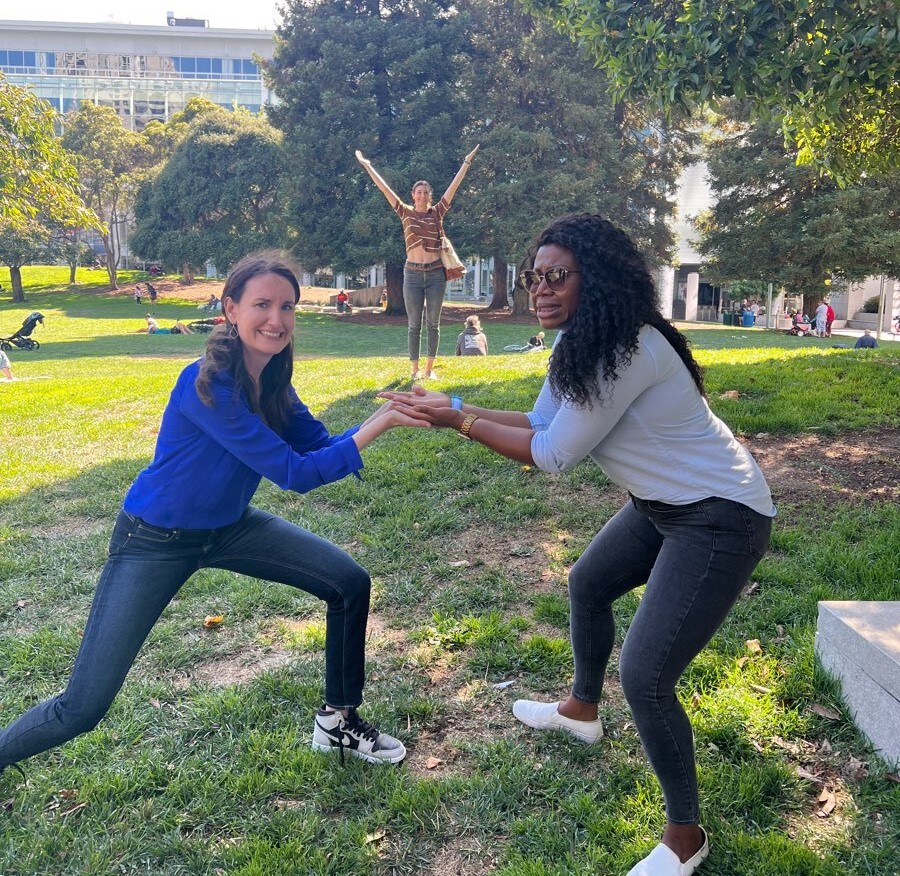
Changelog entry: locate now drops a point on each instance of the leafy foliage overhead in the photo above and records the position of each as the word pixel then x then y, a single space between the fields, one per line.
pixel 828 69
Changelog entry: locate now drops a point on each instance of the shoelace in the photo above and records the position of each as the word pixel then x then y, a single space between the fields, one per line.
pixel 359 726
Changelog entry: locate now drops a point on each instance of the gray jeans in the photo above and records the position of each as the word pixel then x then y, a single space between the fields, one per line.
pixel 423 292
pixel 694 559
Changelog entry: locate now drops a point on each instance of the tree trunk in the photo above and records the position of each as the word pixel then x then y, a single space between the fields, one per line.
pixel 15 276
pixel 521 298
pixel 500 299
pixel 73 266
pixel 187 272
pixel 393 278
pixel 111 263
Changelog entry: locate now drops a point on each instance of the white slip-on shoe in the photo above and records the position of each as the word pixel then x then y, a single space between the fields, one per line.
pixel 662 861
pixel 546 716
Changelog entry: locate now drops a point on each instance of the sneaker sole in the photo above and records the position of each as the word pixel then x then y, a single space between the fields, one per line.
pixel 369 758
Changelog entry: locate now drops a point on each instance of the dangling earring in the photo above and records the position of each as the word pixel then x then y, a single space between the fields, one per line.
pixel 232 331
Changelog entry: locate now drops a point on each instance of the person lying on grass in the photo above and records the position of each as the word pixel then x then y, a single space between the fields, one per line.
pixel 624 389
pixel 232 419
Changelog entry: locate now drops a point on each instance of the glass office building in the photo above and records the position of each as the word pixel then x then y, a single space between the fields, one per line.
pixel 143 72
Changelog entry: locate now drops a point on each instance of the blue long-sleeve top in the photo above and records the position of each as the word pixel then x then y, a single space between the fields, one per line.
pixel 210 460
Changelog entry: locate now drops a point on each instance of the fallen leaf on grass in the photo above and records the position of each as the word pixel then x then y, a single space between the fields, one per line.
pixel 459 564
pixel 751 588
pixel 855 769
pixel 894 777
pixel 155 703
pixel 502 685
pixel 375 836
pixel 695 700
pixel 77 808
pixel 432 762
pixel 730 393
pixel 213 620
pixel 68 793
pixel 760 689
pixel 742 662
pixel 810 777
pixel 824 712
pixel 827 802
pixel 762 435
pixel 22 603
pixel 753 646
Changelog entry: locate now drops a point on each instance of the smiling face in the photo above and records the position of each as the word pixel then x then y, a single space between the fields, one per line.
pixel 555 309
pixel 421 196
pixel 264 318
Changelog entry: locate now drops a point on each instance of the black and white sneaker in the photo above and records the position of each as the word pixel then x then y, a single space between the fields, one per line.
pixel 332 730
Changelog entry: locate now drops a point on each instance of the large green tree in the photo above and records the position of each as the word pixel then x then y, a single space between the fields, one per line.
pixel 776 221
pixel 828 70
pixel 216 198
pixel 553 141
pixel 111 162
pixel 377 75
pixel 37 176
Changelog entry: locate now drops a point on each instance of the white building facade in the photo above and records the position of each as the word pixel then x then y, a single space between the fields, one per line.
pixel 143 72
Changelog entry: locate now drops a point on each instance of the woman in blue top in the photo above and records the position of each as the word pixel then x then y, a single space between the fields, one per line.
pixel 232 419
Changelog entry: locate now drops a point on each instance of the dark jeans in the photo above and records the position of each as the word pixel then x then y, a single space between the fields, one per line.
pixel 147 566
pixel 423 292
pixel 695 559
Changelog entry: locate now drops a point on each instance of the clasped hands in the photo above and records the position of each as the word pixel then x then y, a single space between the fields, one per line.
pixel 424 407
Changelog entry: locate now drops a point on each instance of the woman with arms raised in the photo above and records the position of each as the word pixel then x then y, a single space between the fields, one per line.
pixel 232 419
pixel 424 281
pixel 624 389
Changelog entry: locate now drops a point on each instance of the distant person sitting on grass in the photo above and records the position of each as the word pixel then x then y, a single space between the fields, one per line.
pixel 5 366
pixel 537 341
pixel 472 341
pixel 232 419
pixel 866 342
pixel 152 325
pixel 180 328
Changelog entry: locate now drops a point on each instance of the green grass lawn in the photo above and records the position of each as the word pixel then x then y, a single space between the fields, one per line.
pixel 203 765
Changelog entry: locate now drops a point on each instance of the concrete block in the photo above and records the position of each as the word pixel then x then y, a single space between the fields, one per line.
pixel 859 643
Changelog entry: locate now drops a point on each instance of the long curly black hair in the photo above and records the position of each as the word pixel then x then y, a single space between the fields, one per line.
pixel 617 297
pixel 225 352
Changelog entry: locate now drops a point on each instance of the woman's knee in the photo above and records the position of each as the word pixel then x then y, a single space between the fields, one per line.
pixel 637 680
pixel 355 585
pixel 80 717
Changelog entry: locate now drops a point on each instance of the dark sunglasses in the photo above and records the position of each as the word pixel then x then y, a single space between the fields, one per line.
pixel 555 278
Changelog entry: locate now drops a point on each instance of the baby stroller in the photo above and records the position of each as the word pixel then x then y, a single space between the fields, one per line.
pixel 22 338
pixel 801 326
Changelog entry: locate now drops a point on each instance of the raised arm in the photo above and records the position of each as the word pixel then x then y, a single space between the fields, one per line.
pixel 460 176
pixel 386 190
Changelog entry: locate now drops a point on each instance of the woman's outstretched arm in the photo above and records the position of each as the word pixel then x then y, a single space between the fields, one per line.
pixel 386 190
pixel 460 176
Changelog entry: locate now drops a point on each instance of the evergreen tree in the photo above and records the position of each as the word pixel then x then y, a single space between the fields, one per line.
pixel 216 198
pixel 780 222
pixel 381 76
pixel 554 142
